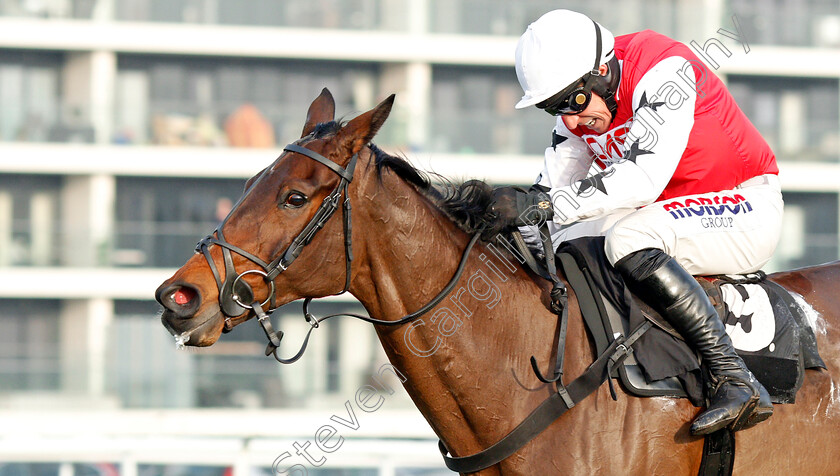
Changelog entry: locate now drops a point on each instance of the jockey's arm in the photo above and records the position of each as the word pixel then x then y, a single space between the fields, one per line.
pixel 662 121
pixel 567 159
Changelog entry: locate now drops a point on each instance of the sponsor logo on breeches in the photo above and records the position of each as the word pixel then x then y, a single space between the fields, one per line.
pixel 718 211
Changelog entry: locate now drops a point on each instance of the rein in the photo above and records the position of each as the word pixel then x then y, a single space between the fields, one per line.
pixel 550 409
pixel 235 293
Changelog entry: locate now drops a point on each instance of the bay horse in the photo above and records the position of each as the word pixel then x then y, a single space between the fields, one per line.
pixel 469 373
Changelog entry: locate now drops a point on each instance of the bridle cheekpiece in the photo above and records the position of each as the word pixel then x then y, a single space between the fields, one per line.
pixel 235 295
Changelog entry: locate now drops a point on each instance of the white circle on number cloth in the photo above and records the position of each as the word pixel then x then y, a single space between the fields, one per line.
pixel 756 309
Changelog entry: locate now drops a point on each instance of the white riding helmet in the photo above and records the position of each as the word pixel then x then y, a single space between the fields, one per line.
pixel 557 50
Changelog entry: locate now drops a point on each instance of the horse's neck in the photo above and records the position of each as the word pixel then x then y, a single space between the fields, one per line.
pixel 410 253
pixel 467 361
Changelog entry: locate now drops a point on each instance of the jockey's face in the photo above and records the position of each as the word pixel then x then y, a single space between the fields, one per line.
pixel 595 119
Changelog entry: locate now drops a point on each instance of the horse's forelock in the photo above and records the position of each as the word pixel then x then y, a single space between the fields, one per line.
pixel 324 129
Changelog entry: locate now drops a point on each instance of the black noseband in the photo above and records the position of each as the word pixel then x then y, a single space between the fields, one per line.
pixel 235 295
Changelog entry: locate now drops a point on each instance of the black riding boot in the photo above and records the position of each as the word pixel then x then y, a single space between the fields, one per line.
pixel 739 399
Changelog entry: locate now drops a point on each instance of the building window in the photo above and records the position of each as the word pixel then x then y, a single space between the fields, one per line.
pixel 159 221
pixel 29 345
pixel 789 22
pixel 503 17
pixel 29 93
pixel 196 101
pixel 473 112
pixel 29 220
pixel 809 231
pixel 146 371
pixel 799 117
pixel 52 9
pixel 333 14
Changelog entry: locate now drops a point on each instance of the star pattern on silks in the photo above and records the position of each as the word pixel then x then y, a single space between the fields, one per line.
pixel 633 152
pixel 643 102
pixel 557 139
pixel 596 181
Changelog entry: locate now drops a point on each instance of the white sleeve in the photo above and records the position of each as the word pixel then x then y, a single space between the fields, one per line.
pixel 567 159
pixel 654 145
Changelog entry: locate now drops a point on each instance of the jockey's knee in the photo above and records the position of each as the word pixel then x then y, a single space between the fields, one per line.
pixel 625 238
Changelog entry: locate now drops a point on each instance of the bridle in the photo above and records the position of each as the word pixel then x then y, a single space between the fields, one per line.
pixel 235 293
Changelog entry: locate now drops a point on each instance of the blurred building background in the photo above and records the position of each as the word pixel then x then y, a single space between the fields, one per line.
pixel 121 123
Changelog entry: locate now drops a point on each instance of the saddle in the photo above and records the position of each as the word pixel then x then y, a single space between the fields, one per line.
pixel 650 358
pixel 610 312
pixel 769 329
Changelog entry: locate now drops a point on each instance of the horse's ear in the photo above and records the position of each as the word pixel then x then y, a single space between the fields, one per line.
pixel 360 131
pixel 321 110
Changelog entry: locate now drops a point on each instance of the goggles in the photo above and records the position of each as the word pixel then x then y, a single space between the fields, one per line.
pixel 569 101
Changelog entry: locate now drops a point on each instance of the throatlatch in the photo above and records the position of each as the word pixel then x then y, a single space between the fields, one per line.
pixel 235 294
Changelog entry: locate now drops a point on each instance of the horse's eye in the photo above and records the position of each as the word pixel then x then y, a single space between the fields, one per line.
pixel 295 200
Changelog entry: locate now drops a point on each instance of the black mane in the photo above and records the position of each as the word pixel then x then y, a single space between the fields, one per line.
pixel 466 204
pixel 323 129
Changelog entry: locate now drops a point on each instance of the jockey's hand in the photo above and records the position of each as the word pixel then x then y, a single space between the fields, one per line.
pixel 517 207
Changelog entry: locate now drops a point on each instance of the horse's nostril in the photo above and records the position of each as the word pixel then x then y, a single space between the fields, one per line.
pixel 182 299
pixel 183 296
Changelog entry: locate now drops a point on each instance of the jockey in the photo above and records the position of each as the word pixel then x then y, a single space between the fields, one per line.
pixel 650 150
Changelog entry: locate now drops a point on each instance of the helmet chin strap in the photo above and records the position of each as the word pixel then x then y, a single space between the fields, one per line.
pixel 605 85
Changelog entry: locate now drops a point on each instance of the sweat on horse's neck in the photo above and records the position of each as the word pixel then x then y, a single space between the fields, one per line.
pixel 467 366
pixel 410 248
pixel 410 253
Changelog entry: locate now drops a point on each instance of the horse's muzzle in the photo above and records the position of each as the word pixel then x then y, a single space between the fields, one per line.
pixel 182 317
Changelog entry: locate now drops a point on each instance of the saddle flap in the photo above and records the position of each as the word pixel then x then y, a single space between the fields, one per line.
pixel 776 344
pixel 608 309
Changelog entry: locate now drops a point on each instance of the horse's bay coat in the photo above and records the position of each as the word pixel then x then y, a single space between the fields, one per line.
pixel 477 384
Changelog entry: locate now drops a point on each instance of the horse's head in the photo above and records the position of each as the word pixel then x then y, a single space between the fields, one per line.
pixel 242 265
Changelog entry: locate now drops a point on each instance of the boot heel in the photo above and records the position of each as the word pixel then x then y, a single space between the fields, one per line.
pixel 758 416
pixel 733 403
pixel 739 400
pixel 746 414
pixel 763 410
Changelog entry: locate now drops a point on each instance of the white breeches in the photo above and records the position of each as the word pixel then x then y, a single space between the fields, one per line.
pixel 727 232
